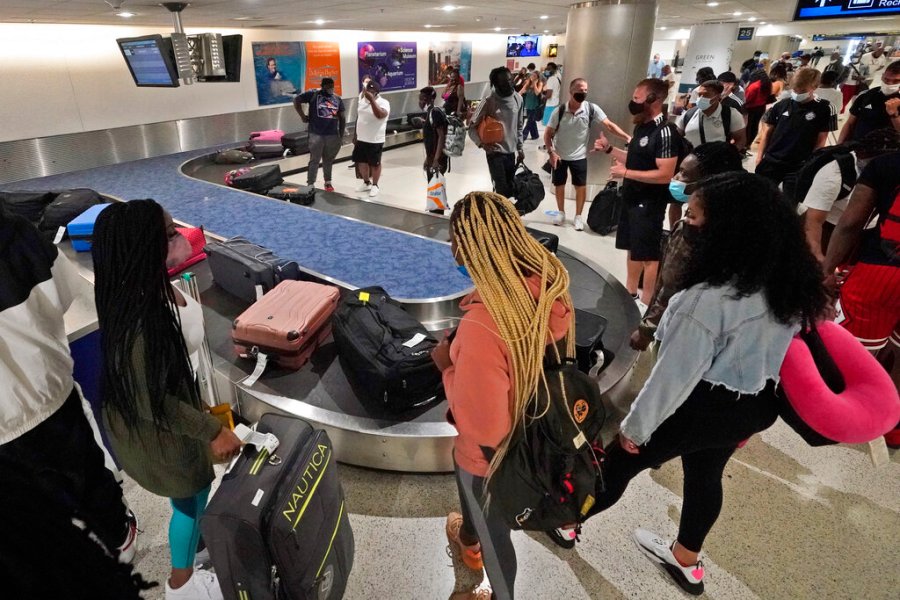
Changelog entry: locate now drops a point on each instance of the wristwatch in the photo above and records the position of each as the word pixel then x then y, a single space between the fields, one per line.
pixel 610 149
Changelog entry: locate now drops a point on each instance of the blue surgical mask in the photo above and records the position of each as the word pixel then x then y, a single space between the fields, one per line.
pixel 676 188
pixel 546 73
pixel 799 97
pixel 704 103
pixel 462 269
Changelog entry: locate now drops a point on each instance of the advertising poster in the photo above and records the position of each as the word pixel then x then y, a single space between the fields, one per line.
pixel 391 64
pixel 323 59
pixel 280 69
pixel 442 55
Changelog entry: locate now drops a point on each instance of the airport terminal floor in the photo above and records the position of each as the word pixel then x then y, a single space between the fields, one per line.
pixel 797 522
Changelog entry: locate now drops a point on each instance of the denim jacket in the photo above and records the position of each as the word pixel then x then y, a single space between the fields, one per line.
pixel 708 334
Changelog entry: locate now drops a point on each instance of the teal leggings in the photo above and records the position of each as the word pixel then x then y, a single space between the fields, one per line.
pixel 184 528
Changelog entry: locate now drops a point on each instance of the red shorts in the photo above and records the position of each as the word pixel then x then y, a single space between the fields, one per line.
pixel 870 305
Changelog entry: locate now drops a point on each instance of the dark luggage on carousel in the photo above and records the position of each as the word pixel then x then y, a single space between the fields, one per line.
pixel 590 354
pixel 385 352
pixel 259 179
pixel 238 266
pixel 277 528
pixel 265 149
pixel 296 143
pixel 29 205
pixel 549 241
pixel 67 205
pixel 295 194
pixel 288 323
pixel 603 215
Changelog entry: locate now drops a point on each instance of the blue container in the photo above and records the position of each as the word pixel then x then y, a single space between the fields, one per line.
pixel 81 228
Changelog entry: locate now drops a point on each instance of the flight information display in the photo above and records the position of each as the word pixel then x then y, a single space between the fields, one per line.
pixel 844 9
pixel 148 61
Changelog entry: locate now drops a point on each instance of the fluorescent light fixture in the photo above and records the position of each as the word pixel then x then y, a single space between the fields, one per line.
pixel 712 3
pixel 427 26
pixel 448 8
pixel 737 14
pixel 663 28
pixel 751 19
pixel 497 28
pixel 763 23
pixel 545 17
pixel 319 21
pixel 125 14
pixel 546 31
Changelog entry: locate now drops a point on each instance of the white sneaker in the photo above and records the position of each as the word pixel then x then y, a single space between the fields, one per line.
pixel 579 223
pixel 364 187
pixel 373 191
pixel 129 547
pixel 659 550
pixel 559 219
pixel 203 585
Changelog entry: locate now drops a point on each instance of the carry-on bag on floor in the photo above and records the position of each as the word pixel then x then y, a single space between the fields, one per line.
pixel 529 189
pixel 549 241
pixel 197 239
pixel 603 215
pixel 295 143
pixel 590 354
pixel 81 228
pixel 277 528
pixel 265 149
pixel 288 323
pixel 67 205
pixel 239 266
pixel 259 179
pixel 29 205
pixel 385 352
pixel 295 194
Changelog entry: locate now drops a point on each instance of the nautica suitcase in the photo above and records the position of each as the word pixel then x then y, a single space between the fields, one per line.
pixel 81 228
pixel 238 266
pixel 288 323
pixel 295 194
pixel 277 527
pixel 259 179
pixel 297 142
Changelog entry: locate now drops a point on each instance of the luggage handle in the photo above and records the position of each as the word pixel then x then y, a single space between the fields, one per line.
pixel 262 441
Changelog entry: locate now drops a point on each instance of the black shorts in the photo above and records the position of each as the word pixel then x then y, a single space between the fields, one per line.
pixel 641 227
pixel 578 169
pixel 366 153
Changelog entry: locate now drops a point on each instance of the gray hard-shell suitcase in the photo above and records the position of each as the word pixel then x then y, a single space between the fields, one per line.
pixel 238 266
pixel 277 527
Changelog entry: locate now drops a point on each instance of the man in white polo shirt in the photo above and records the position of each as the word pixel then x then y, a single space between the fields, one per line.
pixel 712 121
pixel 567 138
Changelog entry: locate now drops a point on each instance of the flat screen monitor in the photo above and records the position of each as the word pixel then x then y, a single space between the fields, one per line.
pixel 844 9
pixel 523 45
pixel 150 60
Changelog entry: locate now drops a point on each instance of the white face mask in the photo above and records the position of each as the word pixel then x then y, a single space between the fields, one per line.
pixel 890 90
pixel 704 103
pixel 799 97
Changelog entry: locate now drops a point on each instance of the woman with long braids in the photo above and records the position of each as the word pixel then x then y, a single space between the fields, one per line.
pixel 151 405
pixel 492 368
pixel 750 282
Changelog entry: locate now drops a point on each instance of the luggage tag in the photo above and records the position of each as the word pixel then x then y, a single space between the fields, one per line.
pixel 59 235
pixel 262 359
pixel 414 341
pixel 364 297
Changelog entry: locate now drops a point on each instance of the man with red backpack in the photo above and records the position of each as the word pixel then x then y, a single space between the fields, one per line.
pixel 870 297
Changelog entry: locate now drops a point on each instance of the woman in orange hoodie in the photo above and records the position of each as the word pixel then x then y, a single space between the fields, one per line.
pixel 492 368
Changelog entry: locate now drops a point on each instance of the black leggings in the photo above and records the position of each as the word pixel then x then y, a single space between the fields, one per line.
pixel 754 115
pixel 704 432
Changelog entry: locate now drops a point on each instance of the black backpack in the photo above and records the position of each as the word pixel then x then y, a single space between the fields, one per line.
pixel 528 189
pixel 67 205
pixel 551 475
pixel 819 159
pixel 726 122
pixel 603 215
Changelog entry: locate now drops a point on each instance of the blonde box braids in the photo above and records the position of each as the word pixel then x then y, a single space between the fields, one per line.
pixel 500 255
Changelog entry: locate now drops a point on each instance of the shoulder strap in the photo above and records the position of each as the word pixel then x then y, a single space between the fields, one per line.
pixel 726 119
pixel 688 116
pixel 847 165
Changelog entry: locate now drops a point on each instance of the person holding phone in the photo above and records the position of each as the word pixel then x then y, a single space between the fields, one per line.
pixel 368 138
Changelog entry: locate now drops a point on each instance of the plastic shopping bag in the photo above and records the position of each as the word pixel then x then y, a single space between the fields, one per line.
pixel 436 196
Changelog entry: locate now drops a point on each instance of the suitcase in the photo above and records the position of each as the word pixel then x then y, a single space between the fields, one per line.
pixel 265 149
pixel 238 266
pixel 295 194
pixel 603 215
pixel 590 354
pixel 277 527
pixel 549 241
pixel 67 205
pixel 197 239
pixel 29 205
pixel 288 323
pixel 258 180
pixel 269 135
pixel 81 228
pixel 385 352
pixel 296 143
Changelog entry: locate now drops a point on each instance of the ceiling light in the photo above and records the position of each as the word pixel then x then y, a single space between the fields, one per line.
pixel 763 23
pixel 546 31
pixel 319 21
pixel 544 17
pixel 497 28
pixel 427 26
pixel 125 14
pixel 663 28
pixel 737 14
pixel 448 8
pixel 712 3
pixel 751 19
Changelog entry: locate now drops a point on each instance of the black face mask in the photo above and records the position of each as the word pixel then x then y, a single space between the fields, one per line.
pixel 579 96
pixel 637 108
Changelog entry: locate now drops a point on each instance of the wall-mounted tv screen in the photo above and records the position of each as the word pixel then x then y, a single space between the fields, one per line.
pixel 150 60
pixel 844 9
pixel 523 45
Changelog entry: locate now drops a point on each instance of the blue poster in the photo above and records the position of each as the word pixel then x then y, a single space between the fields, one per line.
pixel 391 64
pixel 280 69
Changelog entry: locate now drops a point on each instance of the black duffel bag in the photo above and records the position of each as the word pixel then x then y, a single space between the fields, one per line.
pixel 528 189
pixel 603 215
pixel 27 204
pixel 385 352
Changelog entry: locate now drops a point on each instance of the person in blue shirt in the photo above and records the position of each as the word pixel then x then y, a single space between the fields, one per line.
pixel 655 68
pixel 327 123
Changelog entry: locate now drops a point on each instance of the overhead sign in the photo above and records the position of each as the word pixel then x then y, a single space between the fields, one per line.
pixel 745 33
pixel 820 37
pixel 844 9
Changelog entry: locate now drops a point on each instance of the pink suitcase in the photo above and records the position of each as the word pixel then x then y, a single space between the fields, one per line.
pixel 270 135
pixel 288 323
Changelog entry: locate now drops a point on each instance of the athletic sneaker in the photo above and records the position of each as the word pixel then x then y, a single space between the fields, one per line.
pixel 129 547
pixel 689 578
pixel 364 187
pixel 329 187
pixel 564 538
pixel 579 223
pixel 559 218
pixel 373 191
pixel 203 585
pixel 468 566
pixel 202 559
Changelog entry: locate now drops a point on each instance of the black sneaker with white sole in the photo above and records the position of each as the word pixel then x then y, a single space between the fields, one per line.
pixel 690 579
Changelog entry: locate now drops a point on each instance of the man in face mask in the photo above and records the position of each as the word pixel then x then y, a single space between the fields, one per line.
pixel 503 106
pixel 567 139
pixel 647 167
pixel 875 108
pixel 792 129
pixel 552 88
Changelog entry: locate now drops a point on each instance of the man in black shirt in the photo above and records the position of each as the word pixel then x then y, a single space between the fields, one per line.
pixel 792 129
pixel 326 128
pixel 434 132
pixel 876 108
pixel 647 167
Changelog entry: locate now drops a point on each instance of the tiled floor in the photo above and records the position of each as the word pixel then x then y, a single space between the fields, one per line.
pixel 798 522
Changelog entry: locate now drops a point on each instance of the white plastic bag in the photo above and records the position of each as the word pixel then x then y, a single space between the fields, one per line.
pixel 436 195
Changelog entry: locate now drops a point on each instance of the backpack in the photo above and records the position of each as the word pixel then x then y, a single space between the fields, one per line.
pixel 889 230
pixel 528 190
pixel 726 121
pixel 603 215
pixel 490 130
pixel 455 140
pixel 819 159
pixel 551 474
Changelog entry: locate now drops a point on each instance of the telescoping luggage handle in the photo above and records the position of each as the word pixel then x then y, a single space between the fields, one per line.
pixel 264 442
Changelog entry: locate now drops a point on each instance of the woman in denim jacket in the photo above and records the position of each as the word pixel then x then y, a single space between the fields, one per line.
pixel 749 283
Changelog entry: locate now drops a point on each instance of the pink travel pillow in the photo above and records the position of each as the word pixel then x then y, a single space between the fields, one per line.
pixel 866 408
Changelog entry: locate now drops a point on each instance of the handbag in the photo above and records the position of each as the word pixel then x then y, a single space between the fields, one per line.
pixel 529 189
pixel 436 194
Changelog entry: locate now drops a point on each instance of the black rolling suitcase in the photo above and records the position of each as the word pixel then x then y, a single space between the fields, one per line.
pixel 549 241
pixel 238 266
pixel 259 179
pixel 603 215
pixel 590 354
pixel 295 143
pixel 277 527
pixel 385 352
pixel 295 194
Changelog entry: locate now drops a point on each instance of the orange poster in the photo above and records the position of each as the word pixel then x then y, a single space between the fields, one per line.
pixel 323 59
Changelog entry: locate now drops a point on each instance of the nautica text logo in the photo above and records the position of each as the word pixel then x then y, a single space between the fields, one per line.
pixel 307 485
